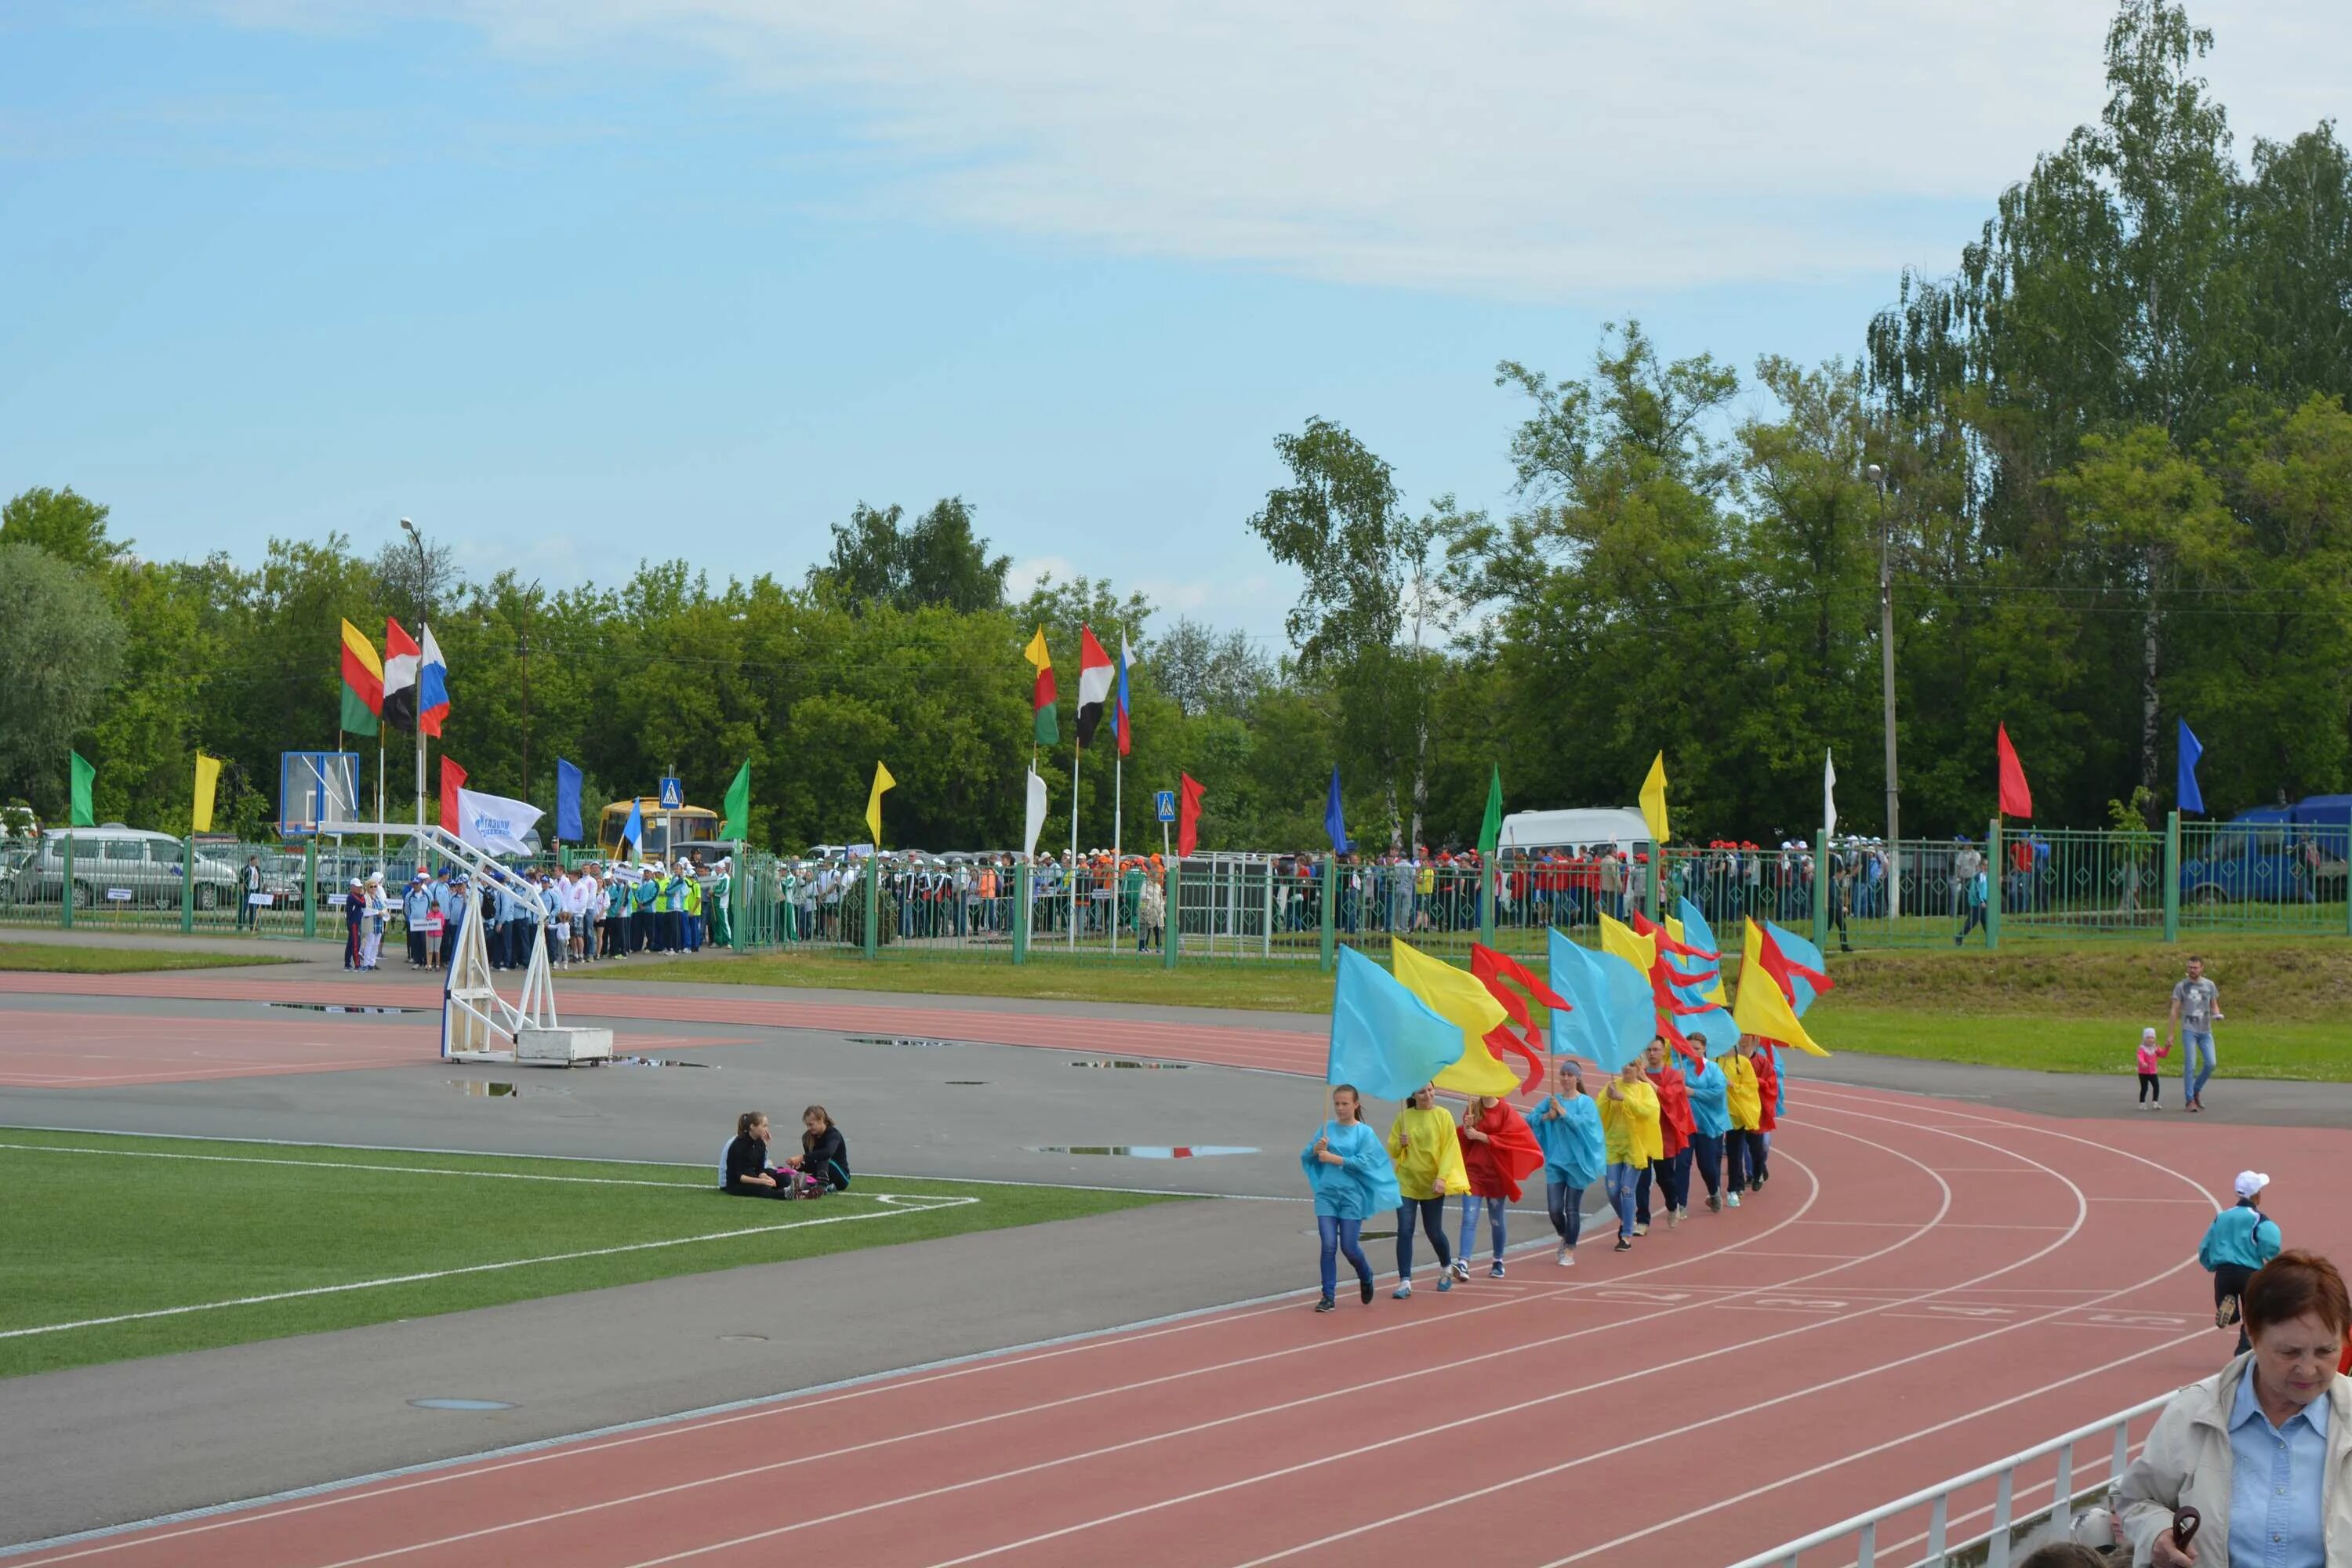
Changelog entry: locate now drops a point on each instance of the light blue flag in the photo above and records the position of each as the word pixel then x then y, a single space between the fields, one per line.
pixel 1613 1014
pixel 1805 954
pixel 1385 1040
pixel 1714 1027
pixel 2188 795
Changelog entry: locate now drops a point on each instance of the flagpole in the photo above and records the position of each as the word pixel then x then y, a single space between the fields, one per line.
pixel 379 793
pixel 1117 811
pixel 1077 759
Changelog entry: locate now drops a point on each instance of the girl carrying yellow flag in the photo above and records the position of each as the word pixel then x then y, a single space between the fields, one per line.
pixel 1428 1158
pixel 1629 1124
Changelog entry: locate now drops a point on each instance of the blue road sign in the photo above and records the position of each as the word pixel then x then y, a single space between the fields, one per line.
pixel 673 794
pixel 1164 802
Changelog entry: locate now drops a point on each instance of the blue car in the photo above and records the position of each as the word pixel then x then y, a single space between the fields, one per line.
pixel 2274 855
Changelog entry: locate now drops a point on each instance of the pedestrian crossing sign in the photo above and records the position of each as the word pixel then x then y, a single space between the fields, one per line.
pixel 1164 801
pixel 673 794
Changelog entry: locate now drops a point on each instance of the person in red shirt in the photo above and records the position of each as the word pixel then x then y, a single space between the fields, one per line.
pixel 1498 1150
pixel 1671 1173
pixel 1767 1091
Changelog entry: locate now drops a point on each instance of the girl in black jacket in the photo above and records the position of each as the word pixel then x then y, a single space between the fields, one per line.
pixel 824 1159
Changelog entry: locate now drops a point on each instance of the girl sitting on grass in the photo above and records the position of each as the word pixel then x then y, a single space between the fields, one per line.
pixel 744 1170
pixel 823 1163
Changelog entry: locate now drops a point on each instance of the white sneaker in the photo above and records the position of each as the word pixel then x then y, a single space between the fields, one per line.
pixel 1674 1218
pixel 1640 1230
pixel 1733 1200
pixel 1567 1258
pixel 1462 1268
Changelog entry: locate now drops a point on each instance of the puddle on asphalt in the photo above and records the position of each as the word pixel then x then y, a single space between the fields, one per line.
pixel 1145 1067
pixel 657 1062
pixel 345 1008
pixel 1143 1150
pixel 966 1082
pixel 492 1088
pixel 924 1042
pixel 462 1403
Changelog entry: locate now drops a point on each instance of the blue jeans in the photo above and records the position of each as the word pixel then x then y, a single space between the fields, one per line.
pixel 2192 1041
pixel 1619 1181
pixel 1565 1206
pixel 1495 1207
pixel 1432 1214
pixel 1339 1236
pixel 1706 1154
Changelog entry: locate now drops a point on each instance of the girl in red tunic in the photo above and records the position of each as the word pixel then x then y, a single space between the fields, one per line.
pixel 1498 1150
pixel 1768 1090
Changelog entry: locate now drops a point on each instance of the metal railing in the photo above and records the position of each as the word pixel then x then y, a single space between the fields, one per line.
pixel 1999 1539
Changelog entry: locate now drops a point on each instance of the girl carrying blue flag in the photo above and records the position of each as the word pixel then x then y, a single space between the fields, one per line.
pixel 1567 1125
pixel 1349 1169
pixel 1710 1103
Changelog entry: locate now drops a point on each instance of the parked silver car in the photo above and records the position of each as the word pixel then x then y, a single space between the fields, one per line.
pixel 116 867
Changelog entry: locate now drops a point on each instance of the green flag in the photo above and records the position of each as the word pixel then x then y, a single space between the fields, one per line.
pixel 738 822
pixel 84 776
pixel 1490 832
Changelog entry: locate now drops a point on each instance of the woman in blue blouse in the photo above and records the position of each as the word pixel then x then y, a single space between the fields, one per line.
pixel 1567 1124
pixel 1349 1167
pixel 1710 1097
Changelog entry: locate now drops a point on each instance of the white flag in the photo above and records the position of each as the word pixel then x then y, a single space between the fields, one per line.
pixel 1829 798
pixel 1036 811
pixel 495 824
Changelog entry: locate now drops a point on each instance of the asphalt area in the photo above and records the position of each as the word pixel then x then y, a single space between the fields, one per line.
pixel 1925 1284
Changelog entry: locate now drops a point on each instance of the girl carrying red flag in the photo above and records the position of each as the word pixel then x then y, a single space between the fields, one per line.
pixel 1767 1094
pixel 1498 1150
pixel 1670 1172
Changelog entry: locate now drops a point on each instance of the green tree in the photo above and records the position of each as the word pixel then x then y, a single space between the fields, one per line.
pixel 937 560
pixel 69 526
pixel 59 646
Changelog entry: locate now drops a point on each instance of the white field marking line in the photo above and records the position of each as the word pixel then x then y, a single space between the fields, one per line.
pixel 2081 1215
pixel 1821 1469
pixel 1347 1340
pixel 926 1204
pixel 2021 1126
pixel 119 1537
pixel 1943 1207
pixel 343 1165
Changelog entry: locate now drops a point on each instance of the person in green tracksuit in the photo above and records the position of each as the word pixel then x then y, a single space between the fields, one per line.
pixel 722 892
pixel 644 928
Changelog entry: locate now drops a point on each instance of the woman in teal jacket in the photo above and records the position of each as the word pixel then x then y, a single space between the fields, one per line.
pixel 1567 1124
pixel 1710 1097
pixel 2239 1241
pixel 1349 1169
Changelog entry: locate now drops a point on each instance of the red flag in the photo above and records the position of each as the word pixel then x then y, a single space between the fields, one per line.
pixel 1495 967
pixel 1786 970
pixel 1500 1039
pixel 1187 814
pixel 453 779
pixel 2016 800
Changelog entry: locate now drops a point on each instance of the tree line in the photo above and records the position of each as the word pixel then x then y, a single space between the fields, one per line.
pixel 2115 487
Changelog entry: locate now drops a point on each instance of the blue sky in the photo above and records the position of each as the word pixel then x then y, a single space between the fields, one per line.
pixel 576 283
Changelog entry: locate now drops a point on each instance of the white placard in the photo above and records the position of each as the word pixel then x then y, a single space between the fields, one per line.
pixel 261 900
pixel 119 895
pixel 337 900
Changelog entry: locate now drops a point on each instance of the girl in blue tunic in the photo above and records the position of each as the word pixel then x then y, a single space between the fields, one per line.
pixel 1710 1097
pixel 1349 1167
pixel 1567 1124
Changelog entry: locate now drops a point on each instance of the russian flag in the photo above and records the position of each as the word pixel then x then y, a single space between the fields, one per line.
pixel 1126 662
pixel 432 687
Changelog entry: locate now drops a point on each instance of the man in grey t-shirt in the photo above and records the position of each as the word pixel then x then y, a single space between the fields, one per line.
pixel 2196 1007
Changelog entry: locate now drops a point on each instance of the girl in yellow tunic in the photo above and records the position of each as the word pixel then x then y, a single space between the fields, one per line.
pixel 1428 1167
pixel 1629 1125
pixel 1747 1101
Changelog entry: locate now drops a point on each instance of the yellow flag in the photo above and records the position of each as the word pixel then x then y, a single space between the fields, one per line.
pixel 1760 1009
pixel 1035 652
pixel 1714 993
pixel 1641 951
pixel 1462 1001
pixel 200 819
pixel 882 781
pixel 1653 800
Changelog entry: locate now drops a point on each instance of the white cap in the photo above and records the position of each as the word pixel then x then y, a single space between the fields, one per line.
pixel 2252 1182
pixel 2148 1033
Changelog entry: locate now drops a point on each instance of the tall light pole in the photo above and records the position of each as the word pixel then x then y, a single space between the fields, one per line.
pixel 1886 693
pixel 424 603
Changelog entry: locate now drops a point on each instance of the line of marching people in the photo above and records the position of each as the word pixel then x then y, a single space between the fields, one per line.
pixel 1642 1134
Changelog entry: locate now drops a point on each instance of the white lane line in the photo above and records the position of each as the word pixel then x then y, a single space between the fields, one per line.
pixel 1876 1448
pixel 1352 1386
pixel 577 1445
pixel 1186 1375
pixel 926 1204
pixel 345 1165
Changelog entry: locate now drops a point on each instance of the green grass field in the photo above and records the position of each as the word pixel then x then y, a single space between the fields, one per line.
pixel 194 1231
pixel 57 958
pixel 2059 1005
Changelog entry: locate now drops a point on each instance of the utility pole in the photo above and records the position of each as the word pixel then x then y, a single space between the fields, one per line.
pixel 522 652
pixel 1887 692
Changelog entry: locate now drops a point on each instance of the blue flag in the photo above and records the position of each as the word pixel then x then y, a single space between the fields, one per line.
pixel 1384 1039
pixel 633 830
pixel 2191 798
pixel 1714 1027
pixel 1335 820
pixel 1613 1014
pixel 567 802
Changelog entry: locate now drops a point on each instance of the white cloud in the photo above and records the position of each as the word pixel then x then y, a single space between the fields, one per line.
pixel 1517 148
pixel 1026 576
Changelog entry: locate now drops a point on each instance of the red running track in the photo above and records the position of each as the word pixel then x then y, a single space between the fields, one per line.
pixel 1921 1288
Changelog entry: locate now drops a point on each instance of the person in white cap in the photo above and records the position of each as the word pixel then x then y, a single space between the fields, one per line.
pixel 372 925
pixel 2239 1241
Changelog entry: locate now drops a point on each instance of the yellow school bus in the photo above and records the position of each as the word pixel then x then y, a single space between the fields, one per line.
pixel 668 832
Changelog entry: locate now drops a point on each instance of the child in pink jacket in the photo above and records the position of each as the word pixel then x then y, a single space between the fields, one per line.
pixel 2151 1056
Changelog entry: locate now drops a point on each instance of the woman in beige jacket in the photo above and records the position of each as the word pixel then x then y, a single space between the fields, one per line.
pixel 2261 1449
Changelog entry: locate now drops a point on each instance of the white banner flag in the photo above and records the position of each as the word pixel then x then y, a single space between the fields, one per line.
pixel 1036 812
pixel 1829 796
pixel 495 824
